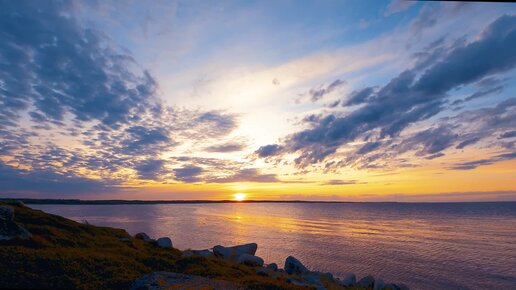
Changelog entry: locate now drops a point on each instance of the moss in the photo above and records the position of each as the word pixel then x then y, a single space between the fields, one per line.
pixel 64 254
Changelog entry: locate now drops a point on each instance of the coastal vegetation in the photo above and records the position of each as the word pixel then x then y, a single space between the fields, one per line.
pixel 63 254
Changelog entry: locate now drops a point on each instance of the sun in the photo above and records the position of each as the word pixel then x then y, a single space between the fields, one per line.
pixel 239 196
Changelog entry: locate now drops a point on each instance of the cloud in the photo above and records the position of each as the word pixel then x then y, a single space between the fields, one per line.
pixel 510 134
pixel 488 161
pixel 188 174
pixel 342 182
pixel 397 6
pixel 319 93
pixel 53 66
pixel 268 150
pixel 41 181
pixel 226 147
pixel 246 175
pixel 150 169
pixel 415 95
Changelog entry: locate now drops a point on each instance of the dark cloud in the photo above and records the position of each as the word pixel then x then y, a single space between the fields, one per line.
pixel 319 93
pixel 152 169
pixel 414 95
pixel 48 61
pixel 188 174
pixel 226 147
pixel 268 150
pixel 488 161
pixel 359 97
pixel 40 181
pixel 510 134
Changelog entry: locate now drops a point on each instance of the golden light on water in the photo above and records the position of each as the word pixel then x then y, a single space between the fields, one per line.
pixel 239 196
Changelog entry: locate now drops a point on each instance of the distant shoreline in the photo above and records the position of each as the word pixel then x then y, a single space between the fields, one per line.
pixel 126 202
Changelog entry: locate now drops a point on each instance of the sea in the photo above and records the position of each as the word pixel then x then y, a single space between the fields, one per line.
pixel 423 245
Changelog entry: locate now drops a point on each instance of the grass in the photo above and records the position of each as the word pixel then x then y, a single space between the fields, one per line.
pixel 64 254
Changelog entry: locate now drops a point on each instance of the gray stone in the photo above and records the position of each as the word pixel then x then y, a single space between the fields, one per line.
pixel 273 267
pixel 379 284
pixel 232 253
pixel 6 213
pixel 250 260
pixel 366 282
pixel 348 280
pixel 294 266
pixel 167 280
pixel 164 242
pixel 203 253
pixel 143 236
pixel 10 230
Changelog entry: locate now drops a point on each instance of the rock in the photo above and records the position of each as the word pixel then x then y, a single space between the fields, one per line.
pixel 167 280
pixel 379 284
pixel 294 266
pixel 6 213
pixel 348 280
pixel 124 239
pixel 262 272
pixel 232 253
pixel 273 267
pixel 203 253
pixel 164 242
pixel 250 260
pixel 366 282
pixel 143 236
pixel 10 230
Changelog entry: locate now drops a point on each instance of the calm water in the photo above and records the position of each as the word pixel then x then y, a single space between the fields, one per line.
pixel 426 246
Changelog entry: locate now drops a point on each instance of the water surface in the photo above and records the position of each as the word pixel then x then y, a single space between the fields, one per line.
pixel 424 245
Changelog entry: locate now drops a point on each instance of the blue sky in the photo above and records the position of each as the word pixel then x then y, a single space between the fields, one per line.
pixel 345 100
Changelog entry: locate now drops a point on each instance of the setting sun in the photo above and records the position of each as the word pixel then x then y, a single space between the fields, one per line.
pixel 239 196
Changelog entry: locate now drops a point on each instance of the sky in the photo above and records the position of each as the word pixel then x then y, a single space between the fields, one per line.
pixel 265 100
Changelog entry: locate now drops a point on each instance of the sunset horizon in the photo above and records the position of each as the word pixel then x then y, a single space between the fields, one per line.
pixel 134 101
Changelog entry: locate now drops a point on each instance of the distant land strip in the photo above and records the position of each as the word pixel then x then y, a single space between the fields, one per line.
pixel 122 201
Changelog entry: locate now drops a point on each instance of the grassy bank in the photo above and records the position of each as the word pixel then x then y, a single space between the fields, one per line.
pixel 64 254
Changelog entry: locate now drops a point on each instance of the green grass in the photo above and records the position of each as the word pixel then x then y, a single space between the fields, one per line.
pixel 64 254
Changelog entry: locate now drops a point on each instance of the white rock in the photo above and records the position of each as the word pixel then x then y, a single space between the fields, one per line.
pixel 232 253
pixel 10 230
pixel 250 260
pixel 164 242
pixel 294 266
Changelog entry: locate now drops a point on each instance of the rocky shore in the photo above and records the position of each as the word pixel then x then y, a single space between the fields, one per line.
pixel 34 238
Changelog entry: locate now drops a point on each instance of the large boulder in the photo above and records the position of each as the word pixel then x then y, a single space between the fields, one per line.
pixel 164 242
pixel 167 280
pixel 143 236
pixel 202 253
pixel 348 280
pixel 232 253
pixel 379 284
pixel 6 213
pixel 366 282
pixel 294 266
pixel 10 230
pixel 250 260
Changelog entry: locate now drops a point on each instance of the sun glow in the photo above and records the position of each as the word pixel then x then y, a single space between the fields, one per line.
pixel 239 196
